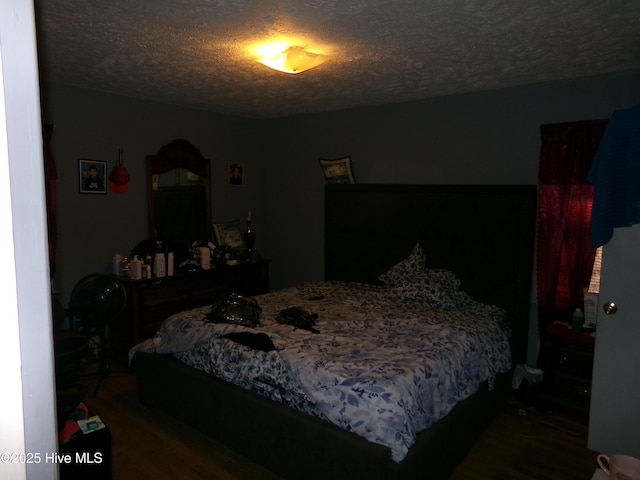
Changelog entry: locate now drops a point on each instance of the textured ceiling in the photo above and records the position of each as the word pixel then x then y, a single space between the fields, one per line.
pixel 194 53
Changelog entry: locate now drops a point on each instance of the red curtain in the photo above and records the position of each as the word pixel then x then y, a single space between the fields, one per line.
pixel 51 198
pixel 50 188
pixel 565 252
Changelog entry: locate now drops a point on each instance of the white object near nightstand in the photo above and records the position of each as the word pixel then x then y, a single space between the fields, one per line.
pixel 599 475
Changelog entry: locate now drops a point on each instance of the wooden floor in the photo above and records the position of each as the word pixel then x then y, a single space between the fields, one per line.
pixel 149 444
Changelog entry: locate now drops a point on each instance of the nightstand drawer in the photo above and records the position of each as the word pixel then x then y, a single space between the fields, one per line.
pixel 572 362
pixel 572 387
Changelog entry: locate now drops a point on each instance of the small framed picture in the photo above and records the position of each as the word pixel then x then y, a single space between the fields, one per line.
pixel 228 234
pixel 236 174
pixel 338 170
pixel 92 175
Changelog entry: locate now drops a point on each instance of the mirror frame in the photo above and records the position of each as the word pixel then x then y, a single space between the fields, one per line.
pixel 178 153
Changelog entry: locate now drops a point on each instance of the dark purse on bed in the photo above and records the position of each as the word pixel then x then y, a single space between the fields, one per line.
pixel 236 309
pixel 299 318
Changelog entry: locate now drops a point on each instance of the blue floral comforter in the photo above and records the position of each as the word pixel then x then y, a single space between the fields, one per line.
pixel 380 367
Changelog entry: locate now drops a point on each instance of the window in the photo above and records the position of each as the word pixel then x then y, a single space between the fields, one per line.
pixel 594 283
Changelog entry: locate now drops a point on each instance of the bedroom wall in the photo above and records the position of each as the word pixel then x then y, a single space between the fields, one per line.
pixel 484 138
pixel 93 227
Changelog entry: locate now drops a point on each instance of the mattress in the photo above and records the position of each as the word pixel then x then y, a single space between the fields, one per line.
pixel 382 364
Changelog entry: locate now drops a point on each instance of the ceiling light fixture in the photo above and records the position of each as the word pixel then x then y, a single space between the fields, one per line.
pixel 293 60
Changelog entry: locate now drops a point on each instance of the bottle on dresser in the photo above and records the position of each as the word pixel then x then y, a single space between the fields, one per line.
pixel 135 271
pixel 159 266
pixel 170 264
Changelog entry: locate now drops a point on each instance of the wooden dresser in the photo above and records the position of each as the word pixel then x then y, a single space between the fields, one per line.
pixel 149 302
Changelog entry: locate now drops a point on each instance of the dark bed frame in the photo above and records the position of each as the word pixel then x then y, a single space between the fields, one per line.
pixel 485 234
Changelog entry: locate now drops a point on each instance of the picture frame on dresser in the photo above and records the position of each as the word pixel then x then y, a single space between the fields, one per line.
pixel 228 234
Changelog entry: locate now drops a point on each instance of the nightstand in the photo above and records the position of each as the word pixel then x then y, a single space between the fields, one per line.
pixel 566 357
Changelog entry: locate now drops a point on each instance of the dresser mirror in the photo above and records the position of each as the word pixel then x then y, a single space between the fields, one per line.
pixel 179 185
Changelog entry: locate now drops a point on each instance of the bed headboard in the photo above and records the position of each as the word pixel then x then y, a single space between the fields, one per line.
pixel 483 233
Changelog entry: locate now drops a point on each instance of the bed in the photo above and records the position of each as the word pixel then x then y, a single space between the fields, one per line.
pixel 483 235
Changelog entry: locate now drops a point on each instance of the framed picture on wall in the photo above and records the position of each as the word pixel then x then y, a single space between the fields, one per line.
pixel 92 176
pixel 338 170
pixel 236 174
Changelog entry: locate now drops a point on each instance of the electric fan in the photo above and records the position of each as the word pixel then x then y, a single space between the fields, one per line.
pixel 96 301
